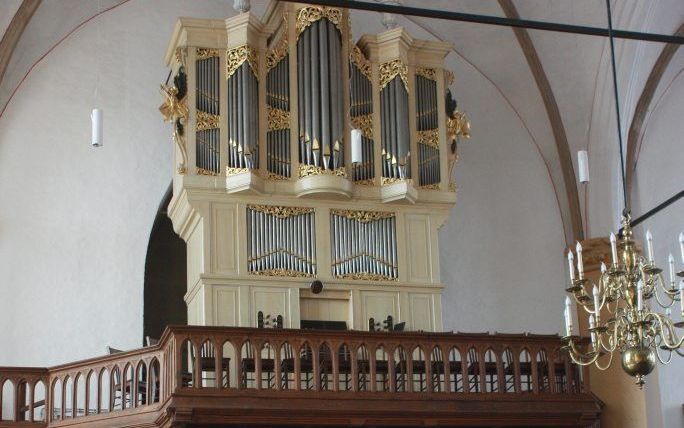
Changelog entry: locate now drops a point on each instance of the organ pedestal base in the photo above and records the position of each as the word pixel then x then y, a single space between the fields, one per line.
pixel 246 182
pixel 323 186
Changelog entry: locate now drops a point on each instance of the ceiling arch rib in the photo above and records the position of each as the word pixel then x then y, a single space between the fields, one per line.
pixel 14 31
pixel 636 128
pixel 568 183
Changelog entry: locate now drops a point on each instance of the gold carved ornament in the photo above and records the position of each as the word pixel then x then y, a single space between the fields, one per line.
pixel 389 70
pixel 277 53
pixel 202 171
pixel 430 187
pixel 365 124
pixel 429 138
pixel 278 119
pixel 279 211
pixel 310 14
pixel 276 177
pixel 174 110
pixel 289 273
pixel 457 126
pixel 230 171
pixel 448 78
pixel 235 57
pixel 428 73
pixel 180 54
pixel 362 216
pixel 203 53
pixel 364 276
pixel 386 181
pixel 206 121
pixel 359 60
pixel 307 170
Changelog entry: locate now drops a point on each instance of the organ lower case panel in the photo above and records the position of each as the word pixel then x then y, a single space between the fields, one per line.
pixel 363 245
pixel 281 241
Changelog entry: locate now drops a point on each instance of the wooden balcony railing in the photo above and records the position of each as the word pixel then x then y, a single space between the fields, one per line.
pixel 216 371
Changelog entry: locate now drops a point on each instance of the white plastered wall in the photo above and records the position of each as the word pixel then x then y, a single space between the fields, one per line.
pixel 75 220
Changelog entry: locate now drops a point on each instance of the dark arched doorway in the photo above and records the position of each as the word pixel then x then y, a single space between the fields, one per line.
pixel 165 275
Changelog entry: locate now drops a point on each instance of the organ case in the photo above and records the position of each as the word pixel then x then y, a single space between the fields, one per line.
pixel 270 199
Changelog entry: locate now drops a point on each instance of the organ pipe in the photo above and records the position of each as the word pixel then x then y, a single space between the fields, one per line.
pixel 243 106
pixel 427 126
pixel 281 241
pixel 207 98
pixel 363 245
pixel 321 118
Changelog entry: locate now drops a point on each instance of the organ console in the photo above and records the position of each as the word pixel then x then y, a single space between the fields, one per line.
pixel 265 191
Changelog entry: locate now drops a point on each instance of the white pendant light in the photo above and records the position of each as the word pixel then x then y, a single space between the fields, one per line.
pixel 96 119
pixel 583 166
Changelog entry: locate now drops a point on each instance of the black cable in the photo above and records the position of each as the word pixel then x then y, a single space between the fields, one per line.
pixel 617 105
pixel 494 20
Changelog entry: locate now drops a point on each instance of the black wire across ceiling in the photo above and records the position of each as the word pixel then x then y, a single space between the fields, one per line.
pixel 495 20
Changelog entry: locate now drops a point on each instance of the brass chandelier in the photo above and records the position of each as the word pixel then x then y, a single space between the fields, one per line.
pixel 621 307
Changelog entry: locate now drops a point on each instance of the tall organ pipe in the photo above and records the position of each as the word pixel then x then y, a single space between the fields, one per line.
pixel 321 117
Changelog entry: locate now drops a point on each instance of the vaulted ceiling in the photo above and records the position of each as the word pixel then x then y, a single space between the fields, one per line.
pixel 553 82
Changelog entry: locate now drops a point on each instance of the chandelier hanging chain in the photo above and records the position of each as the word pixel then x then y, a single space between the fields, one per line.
pixel 617 105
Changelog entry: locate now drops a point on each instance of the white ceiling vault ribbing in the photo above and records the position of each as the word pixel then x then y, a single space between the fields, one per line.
pixel 573 65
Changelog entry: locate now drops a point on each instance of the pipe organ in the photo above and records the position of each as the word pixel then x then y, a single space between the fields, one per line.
pixel 267 192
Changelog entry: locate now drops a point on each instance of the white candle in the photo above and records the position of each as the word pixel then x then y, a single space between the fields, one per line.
pixel 681 244
pixel 568 316
pixel 603 267
pixel 580 264
pixel 670 260
pixel 613 248
pixel 668 312
pixel 592 324
pixel 649 244
pixel 571 265
pixel 597 302
pixel 640 296
pixel 356 149
pixel 681 296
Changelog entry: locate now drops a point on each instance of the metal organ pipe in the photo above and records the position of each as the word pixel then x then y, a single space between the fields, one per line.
pixel 321 118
